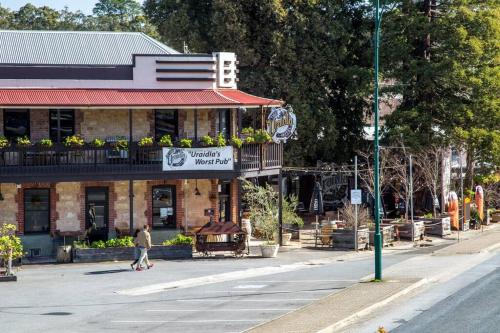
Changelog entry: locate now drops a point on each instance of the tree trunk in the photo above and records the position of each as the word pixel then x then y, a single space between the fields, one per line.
pixel 469 173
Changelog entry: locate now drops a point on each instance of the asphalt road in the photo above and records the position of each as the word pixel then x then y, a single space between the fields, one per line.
pixel 93 297
pixel 475 308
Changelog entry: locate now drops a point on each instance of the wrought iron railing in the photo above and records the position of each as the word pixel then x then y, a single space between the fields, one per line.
pixel 60 159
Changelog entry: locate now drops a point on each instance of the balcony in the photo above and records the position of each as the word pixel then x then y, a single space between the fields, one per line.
pixel 61 163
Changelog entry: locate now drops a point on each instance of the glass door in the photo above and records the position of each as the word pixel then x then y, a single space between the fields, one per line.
pixel 96 213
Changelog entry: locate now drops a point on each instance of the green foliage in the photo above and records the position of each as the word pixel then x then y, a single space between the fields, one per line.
pixel 186 143
pixel 428 216
pixel 46 143
pixel 207 140
pixel 315 55
pixel 261 136
pixel 81 244
pixel 179 239
pixel 236 142
pixel 263 204
pixel 220 140
pixel 97 143
pixel 4 143
pixel 109 15
pixel 248 131
pixel 146 142
pixel 120 144
pixel 126 241
pixel 98 244
pixel 249 139
pixel 10 244
pixel 23 141
pixel 165 141
pixel 74 141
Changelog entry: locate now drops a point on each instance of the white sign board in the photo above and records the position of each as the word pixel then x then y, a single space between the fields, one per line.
pixel 356 197
pixel 184 159
pixel 281 124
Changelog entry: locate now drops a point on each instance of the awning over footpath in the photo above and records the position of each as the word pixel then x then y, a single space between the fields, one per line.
pixel 128 98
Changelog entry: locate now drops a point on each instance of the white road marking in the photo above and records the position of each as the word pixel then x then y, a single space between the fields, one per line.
pixel 250 286
pixel 250 300
pixel 266 292
pixel 299 281
pixel 216 310
pixel 224 277
pixel 186 321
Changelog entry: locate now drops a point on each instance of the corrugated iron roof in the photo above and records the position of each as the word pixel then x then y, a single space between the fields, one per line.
pixel 96 98
pixel 76 47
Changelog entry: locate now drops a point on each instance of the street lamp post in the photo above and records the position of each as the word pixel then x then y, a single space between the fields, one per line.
pixel 378 236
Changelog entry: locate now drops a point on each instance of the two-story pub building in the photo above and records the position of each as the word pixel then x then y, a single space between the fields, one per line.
pixel 122 89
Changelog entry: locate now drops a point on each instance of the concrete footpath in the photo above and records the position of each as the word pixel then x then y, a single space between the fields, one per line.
pixel 336 311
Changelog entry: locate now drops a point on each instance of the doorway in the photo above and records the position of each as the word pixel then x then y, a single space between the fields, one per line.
pixel 96 213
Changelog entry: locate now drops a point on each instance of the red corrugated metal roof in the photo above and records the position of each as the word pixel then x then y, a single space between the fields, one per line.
pixel 129 98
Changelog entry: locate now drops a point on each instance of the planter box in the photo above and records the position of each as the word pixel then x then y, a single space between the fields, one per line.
pixel 127 253
pixel 387 231
pixel 464 226
pixel 495 216
pixel 344 239
pixel 10 278
pixel 404 230
pixel 437 226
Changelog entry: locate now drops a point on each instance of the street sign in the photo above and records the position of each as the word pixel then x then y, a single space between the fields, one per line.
pixel 356 197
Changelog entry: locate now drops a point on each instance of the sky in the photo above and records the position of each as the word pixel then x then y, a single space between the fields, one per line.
pixel 84 5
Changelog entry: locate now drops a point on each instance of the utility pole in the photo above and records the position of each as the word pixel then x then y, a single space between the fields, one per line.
pixel 356 205
pixel 377 236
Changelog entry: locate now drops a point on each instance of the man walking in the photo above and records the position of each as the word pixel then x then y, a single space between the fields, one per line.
pixel 144 243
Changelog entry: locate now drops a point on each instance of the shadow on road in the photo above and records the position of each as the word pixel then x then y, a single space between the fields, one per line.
pixel 108 271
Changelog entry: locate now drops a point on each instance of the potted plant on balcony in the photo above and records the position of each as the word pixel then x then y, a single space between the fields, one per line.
pixel 220 140
pixel 4 143
pixel 247 132
pixel 10 248
pixel 97 143
pixel 165 141
pixel 186 143
pixel 236 142
pixel 45 143
pixel 146 142
pixel 23 141
pixel 207 141
pixel 74 141
pixel 261 136
pixel 120 145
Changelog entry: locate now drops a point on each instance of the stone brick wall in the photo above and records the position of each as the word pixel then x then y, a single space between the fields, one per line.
pixel 106 123
pixel 234 201
pixel 140 203
pixel 68 213
pixel 8 207
pixel 39 124
pixel 196 204
pixel 204 123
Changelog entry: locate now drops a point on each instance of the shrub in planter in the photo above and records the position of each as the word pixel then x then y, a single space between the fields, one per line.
pixel 250 139
pixel 10 246
pixel 165 141
pixel 98 244
pixel 98 143
pixel 261 136
pixel 179 239
pixel 236 142
pixel 126 241
pixel 4 143
pixel 74 141
pixel 207 141
pixel 220 140
pixel 46 143
pixel 23 141
pixel 146 142
pixel 248 131
pixel 186 143
pixel 120 145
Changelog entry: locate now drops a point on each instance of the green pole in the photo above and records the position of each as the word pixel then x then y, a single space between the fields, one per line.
pixel 378 237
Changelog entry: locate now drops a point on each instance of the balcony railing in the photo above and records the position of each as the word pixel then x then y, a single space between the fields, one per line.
pixel 20 162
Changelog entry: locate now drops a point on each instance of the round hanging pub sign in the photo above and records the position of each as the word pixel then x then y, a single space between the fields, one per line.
pixel 281 124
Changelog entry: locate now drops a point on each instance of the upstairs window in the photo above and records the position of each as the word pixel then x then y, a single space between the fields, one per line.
pixel 62 124
pixel 166 122
pixel 16 123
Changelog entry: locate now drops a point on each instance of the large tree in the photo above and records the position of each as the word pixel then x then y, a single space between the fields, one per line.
pixel 444 58
pixel 314 54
